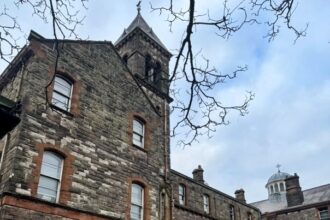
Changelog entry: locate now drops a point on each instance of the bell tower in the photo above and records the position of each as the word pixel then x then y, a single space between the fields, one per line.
pixel 145 55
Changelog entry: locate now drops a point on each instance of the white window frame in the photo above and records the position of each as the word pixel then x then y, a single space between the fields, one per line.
pixel 139 144
pixel 59 180
pixel 56 91
pixel 206 203
pixel 182 196
pixel 141 206
pixel 232 212
pixel 249 216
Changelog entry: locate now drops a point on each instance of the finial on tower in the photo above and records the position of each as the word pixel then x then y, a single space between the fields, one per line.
pixel 139 6
pixel 278 167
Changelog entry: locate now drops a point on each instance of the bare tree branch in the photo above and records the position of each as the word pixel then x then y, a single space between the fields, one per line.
pixel 199 109
pixel 8 27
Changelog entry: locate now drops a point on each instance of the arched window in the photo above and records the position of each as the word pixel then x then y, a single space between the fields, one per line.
pixel 125 58
pixel 138 133
pixel 249 216
pixel 282 187
pixel 182 194
pixel 206 203
pixel 158 73
pixel 271 189
pixel 62 93
pixel 137 203
pixel 276 188
pixel 149 69
pixel 50 176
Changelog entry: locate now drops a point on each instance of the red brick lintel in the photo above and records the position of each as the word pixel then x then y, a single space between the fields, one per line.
pixel 45 207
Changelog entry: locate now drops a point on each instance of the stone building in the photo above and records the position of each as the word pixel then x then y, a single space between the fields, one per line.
pixel 286 200
pixel 93 137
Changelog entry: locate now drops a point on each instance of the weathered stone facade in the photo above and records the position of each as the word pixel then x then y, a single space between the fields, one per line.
pixel 95 136
pixel 219 203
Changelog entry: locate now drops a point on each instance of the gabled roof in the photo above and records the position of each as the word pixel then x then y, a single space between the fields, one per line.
pixel 140 23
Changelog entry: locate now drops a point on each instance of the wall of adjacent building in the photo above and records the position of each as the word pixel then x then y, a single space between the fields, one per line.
pixel 297 213
pixel 219 202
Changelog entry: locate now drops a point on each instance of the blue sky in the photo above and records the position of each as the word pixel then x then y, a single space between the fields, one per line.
pixel 289 118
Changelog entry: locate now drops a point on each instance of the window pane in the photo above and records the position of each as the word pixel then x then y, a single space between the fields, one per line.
pixel 324 214
pixel 137 192
pixel 206 203
pixel 62 86
pixel 137 202
pixel 49 180
pixel 138 127
pixel 52 159
pixel 137 140
pixel 182 194
pixel 136 212
pixel 60 101
pixel 47 188
pixel 50 171
pixel 51 165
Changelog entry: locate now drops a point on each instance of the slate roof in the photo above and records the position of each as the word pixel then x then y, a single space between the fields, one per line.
pixel 313 195
pixel 140 23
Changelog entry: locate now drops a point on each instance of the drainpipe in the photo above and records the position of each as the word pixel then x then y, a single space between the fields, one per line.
pixel 19 94
pixel 7 138
pixel 165 142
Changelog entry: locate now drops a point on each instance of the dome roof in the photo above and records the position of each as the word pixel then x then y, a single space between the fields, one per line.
pixel 278 176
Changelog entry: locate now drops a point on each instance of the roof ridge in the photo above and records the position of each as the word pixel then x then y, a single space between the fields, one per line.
pixel 316 187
